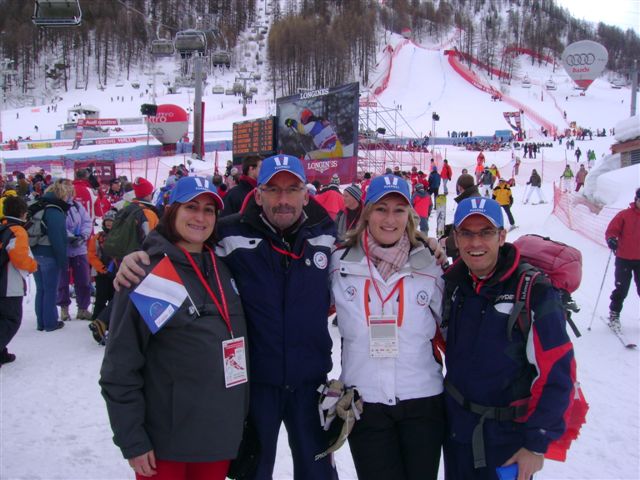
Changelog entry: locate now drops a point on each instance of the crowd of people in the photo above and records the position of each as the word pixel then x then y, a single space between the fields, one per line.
pixel 240 272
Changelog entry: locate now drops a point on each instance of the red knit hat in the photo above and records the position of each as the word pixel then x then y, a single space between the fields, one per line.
pixel 142 187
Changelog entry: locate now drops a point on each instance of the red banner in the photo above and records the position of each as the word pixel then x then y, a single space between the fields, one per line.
pixel 322 170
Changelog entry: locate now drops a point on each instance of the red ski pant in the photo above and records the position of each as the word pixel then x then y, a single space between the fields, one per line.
pixel 168 470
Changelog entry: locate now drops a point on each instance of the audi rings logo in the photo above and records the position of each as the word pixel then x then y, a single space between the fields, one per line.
pixel 578 59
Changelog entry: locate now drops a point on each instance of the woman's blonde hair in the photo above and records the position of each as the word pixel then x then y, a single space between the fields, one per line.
pixel 62 189
pixel 352 237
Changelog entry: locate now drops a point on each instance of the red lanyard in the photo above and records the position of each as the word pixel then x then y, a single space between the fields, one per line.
pixel 287 253
pixel 223 309
pixel 375 284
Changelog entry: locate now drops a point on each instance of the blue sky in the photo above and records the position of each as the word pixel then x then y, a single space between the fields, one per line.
pixel 622 13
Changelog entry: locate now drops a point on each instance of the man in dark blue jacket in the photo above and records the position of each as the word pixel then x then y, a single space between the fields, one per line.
pixel 278 251
pixel 507 392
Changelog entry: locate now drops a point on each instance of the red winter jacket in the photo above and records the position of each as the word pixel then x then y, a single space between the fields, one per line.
pixel 332 201
pixel 625 226
pixel 446 172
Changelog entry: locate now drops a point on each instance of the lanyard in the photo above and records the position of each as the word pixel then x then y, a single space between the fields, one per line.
pixel 287 253
pixel 399 284
pixel 223 309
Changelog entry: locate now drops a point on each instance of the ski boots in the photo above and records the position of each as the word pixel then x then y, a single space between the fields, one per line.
pixel 64 313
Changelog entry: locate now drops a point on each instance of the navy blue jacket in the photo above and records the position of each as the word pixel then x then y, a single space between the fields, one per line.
pixel 56 230
pixel 489 369
pixel 286 300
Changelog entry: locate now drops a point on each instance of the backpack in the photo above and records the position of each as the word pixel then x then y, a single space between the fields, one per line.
pixel 560 263
pixel 5 236
pixel 125 236
pixel 36 226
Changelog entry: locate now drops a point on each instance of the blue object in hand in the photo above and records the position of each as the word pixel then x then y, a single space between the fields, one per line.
pixel 508 473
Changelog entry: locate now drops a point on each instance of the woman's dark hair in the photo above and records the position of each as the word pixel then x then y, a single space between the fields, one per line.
pixel 167 225
pixel 15 207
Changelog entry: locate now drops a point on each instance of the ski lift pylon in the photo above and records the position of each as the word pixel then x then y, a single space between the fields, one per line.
pixel 57 13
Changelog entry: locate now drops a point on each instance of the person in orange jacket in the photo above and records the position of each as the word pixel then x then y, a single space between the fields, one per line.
pixel 16 262
pixel 104 270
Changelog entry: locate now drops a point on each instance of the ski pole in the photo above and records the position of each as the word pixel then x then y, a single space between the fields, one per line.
pixel 593 315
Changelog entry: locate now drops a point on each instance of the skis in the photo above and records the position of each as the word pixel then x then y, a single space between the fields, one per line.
pixel 441 214
pixel 619 335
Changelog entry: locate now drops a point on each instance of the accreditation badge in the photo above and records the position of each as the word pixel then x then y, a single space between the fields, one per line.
pixel 383 336
pixel 234 357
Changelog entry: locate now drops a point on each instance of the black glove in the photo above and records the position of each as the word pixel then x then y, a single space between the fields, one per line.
pixel 290 122
pixel 77 240
pixel 613 244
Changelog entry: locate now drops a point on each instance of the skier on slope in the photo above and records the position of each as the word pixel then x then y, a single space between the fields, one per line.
pixel 324 136
pixel 622 236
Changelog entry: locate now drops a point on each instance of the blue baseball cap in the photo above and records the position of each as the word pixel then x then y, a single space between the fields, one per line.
pixel 489 209
pixel 281 163
pixel 386 184
pixel 188 188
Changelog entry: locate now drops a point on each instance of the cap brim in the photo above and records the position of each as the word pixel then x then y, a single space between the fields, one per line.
pixel 377 198
pixel 493 222
pixel 187 197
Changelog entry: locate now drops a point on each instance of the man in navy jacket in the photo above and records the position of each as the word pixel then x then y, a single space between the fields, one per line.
pixel 507 393
pixel 278 251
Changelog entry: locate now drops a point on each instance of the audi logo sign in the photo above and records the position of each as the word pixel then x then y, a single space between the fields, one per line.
pixel 584 61
pixel 580 59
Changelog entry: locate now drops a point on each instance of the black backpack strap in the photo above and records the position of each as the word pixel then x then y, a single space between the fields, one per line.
pixel 527 276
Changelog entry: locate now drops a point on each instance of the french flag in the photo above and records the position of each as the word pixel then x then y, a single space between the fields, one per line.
pixel 159 295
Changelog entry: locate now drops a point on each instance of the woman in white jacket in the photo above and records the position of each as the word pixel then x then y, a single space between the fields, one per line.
pixel 387 290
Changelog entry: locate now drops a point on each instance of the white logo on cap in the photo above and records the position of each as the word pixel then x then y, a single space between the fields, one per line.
pixel 281 161
pixel 474 204
pixel 201 183
pixel 391 182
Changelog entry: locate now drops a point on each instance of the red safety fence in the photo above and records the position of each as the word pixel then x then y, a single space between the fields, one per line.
pixel 582 216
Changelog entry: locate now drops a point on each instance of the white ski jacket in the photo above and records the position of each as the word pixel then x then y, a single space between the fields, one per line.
pixel 417 302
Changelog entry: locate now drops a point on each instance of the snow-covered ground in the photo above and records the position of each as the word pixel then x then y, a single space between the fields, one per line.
pixel 53 422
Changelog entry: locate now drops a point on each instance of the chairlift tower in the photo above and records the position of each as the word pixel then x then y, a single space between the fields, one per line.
pixel 6 69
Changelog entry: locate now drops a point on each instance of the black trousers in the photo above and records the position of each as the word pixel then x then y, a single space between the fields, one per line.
pixel 104 293
pixel 624 270
pixel 10 319
pixel 507 208
pixel 399 442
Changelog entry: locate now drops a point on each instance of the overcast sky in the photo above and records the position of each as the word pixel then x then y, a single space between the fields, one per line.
pixel 622 13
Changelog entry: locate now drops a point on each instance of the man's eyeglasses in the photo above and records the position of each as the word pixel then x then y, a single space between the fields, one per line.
pixel 486 234
pixel 277 191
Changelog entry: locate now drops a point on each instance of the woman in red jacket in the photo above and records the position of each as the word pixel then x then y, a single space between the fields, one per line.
pixel 445 175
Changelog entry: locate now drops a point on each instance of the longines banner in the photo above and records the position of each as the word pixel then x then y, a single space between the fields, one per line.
pixel 321 128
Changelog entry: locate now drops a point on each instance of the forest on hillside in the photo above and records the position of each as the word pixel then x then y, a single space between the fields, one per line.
pixel 311 43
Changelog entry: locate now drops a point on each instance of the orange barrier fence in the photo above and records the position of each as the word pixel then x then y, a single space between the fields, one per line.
pixel 582 216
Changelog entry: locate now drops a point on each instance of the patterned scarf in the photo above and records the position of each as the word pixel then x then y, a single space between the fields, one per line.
pixel 387 260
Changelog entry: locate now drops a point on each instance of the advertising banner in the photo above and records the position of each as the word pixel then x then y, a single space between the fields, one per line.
pixel 321 128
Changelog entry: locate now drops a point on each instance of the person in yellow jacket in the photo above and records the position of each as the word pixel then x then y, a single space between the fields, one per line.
pixel 10 191
pixel 16 262
pixel 502 195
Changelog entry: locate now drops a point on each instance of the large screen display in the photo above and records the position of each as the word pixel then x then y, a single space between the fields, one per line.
pixel 321 128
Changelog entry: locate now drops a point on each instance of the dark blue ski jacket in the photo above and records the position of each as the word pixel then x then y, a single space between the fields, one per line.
pixel 489 369
pixel 285 297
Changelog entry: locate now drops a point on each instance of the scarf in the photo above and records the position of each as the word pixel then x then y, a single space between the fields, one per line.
pixel 387 260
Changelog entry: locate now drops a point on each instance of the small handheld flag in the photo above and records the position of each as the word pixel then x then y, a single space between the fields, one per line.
pixel 159 295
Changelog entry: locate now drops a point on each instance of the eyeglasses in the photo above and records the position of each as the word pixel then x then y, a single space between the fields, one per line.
pixel 486 234
pixel 277 191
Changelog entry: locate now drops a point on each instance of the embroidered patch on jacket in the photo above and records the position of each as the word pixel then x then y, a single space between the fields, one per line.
pixel 321 260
